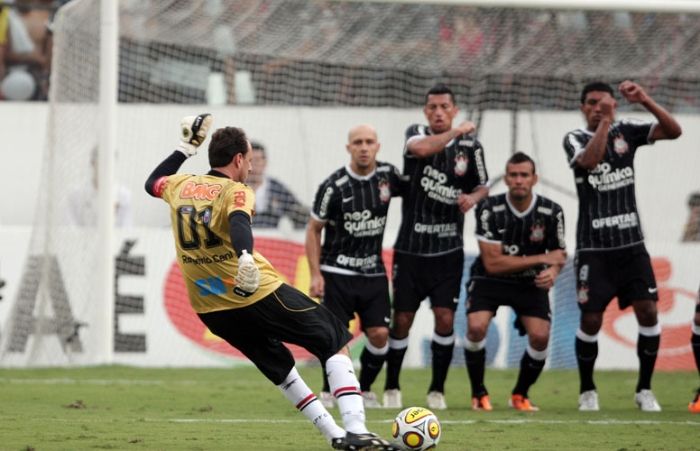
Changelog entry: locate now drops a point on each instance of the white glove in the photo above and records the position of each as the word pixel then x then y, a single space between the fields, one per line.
pixel 248 277
pixel 193 132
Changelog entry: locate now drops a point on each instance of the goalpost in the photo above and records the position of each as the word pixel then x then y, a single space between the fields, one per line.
pixel 296 75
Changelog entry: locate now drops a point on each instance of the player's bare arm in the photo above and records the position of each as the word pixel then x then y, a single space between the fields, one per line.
pixel 545 279
pixel 193 132
pixel 668 127
pixel 467 201
pixel 430 145
pixel 496 262
pixel 602 112
pixel 313 255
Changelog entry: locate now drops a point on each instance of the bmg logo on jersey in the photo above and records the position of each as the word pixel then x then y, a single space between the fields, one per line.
pixel 200 191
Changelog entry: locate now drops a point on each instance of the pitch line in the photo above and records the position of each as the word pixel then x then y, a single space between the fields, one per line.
pixel 514 421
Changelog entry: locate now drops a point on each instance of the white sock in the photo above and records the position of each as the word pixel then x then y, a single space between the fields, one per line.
pixel 346 389
pixel 300 395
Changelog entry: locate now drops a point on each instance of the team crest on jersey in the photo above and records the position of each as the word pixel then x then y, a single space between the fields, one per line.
pixel 620 145
pixel 537 232
pixel 582 294
pixel 384 191
pixel 461 162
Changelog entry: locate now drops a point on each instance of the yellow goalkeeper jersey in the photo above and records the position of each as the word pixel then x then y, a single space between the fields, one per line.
pixel 199 209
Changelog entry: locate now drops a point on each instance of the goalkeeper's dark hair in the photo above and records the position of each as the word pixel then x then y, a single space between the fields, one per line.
pixel 521 157
pixel 225 144
pixel 596 86
pixel 439 89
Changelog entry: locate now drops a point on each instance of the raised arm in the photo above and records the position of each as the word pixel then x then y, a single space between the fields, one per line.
pixel 426 146
pixel 668 127
pixel 595 149
pixel 193 131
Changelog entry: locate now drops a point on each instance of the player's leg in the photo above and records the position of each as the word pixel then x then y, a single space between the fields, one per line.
pixel 408 293
pixel 638 288
pixel 373 306
pixel 694 405
pixel 446 273
pixel 337 298
pixel 532 362
pixel 239 328
pixel 371 362
pixel 475 354
pixel 595 288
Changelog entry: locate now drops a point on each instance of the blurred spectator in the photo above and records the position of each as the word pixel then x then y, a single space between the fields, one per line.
pixel 4 21
pixel 28 51
pixel 273 200
pixel 82 203
pixel 692 226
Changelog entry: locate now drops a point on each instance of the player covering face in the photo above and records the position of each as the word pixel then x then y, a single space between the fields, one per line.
pixel 237 293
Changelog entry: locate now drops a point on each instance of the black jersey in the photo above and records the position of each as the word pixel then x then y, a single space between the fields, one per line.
pixel 431 222
pixel 354 209
pixel 534 231
pixel 607 213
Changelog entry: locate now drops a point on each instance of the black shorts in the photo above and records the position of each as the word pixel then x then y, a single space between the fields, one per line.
pixel 525 300
pixel 417 277
pixel 368 296
pixel 603 274
pixel 286 315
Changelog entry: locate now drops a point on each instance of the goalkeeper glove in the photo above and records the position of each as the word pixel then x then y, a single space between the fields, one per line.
pixel 248 277
pixel 193 132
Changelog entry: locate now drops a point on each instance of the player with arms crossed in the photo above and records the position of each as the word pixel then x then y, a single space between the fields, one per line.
pixel 238 295
pixel 448 177
pixel 521 251
pixel 611 258
pixel 348 272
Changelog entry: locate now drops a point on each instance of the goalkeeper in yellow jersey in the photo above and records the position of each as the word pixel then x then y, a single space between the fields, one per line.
pixel 237 293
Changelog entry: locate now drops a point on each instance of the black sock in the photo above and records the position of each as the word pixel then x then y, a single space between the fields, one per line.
pixel 394 360
pixel 442 358
pixel 530 370
pixel 326 385
pixel 371 365
pixel 476 367
pixel 695 343
pixel 586 354
pixel 647 349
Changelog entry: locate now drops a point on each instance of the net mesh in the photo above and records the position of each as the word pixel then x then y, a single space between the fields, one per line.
pixel 375 59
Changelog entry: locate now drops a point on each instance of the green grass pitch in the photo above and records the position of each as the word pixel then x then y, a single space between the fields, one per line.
pixel 124 408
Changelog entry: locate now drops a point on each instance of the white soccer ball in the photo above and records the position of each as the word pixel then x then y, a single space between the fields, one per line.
pixel 416 429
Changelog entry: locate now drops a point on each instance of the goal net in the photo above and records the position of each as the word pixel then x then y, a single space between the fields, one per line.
pixel 296 75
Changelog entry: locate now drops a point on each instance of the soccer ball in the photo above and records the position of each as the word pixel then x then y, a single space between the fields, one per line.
pixel 416 429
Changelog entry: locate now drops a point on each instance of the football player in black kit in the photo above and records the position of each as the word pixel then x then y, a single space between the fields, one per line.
pixel 521 251
pixel 611 258
pixel 694 405
pixel 447 178
pixel 348 272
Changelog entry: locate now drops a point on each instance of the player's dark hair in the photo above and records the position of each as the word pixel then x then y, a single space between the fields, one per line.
pixel 257 145
pixel 225 144
pixel 598 86
pixel 439 89
pixel 521 157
